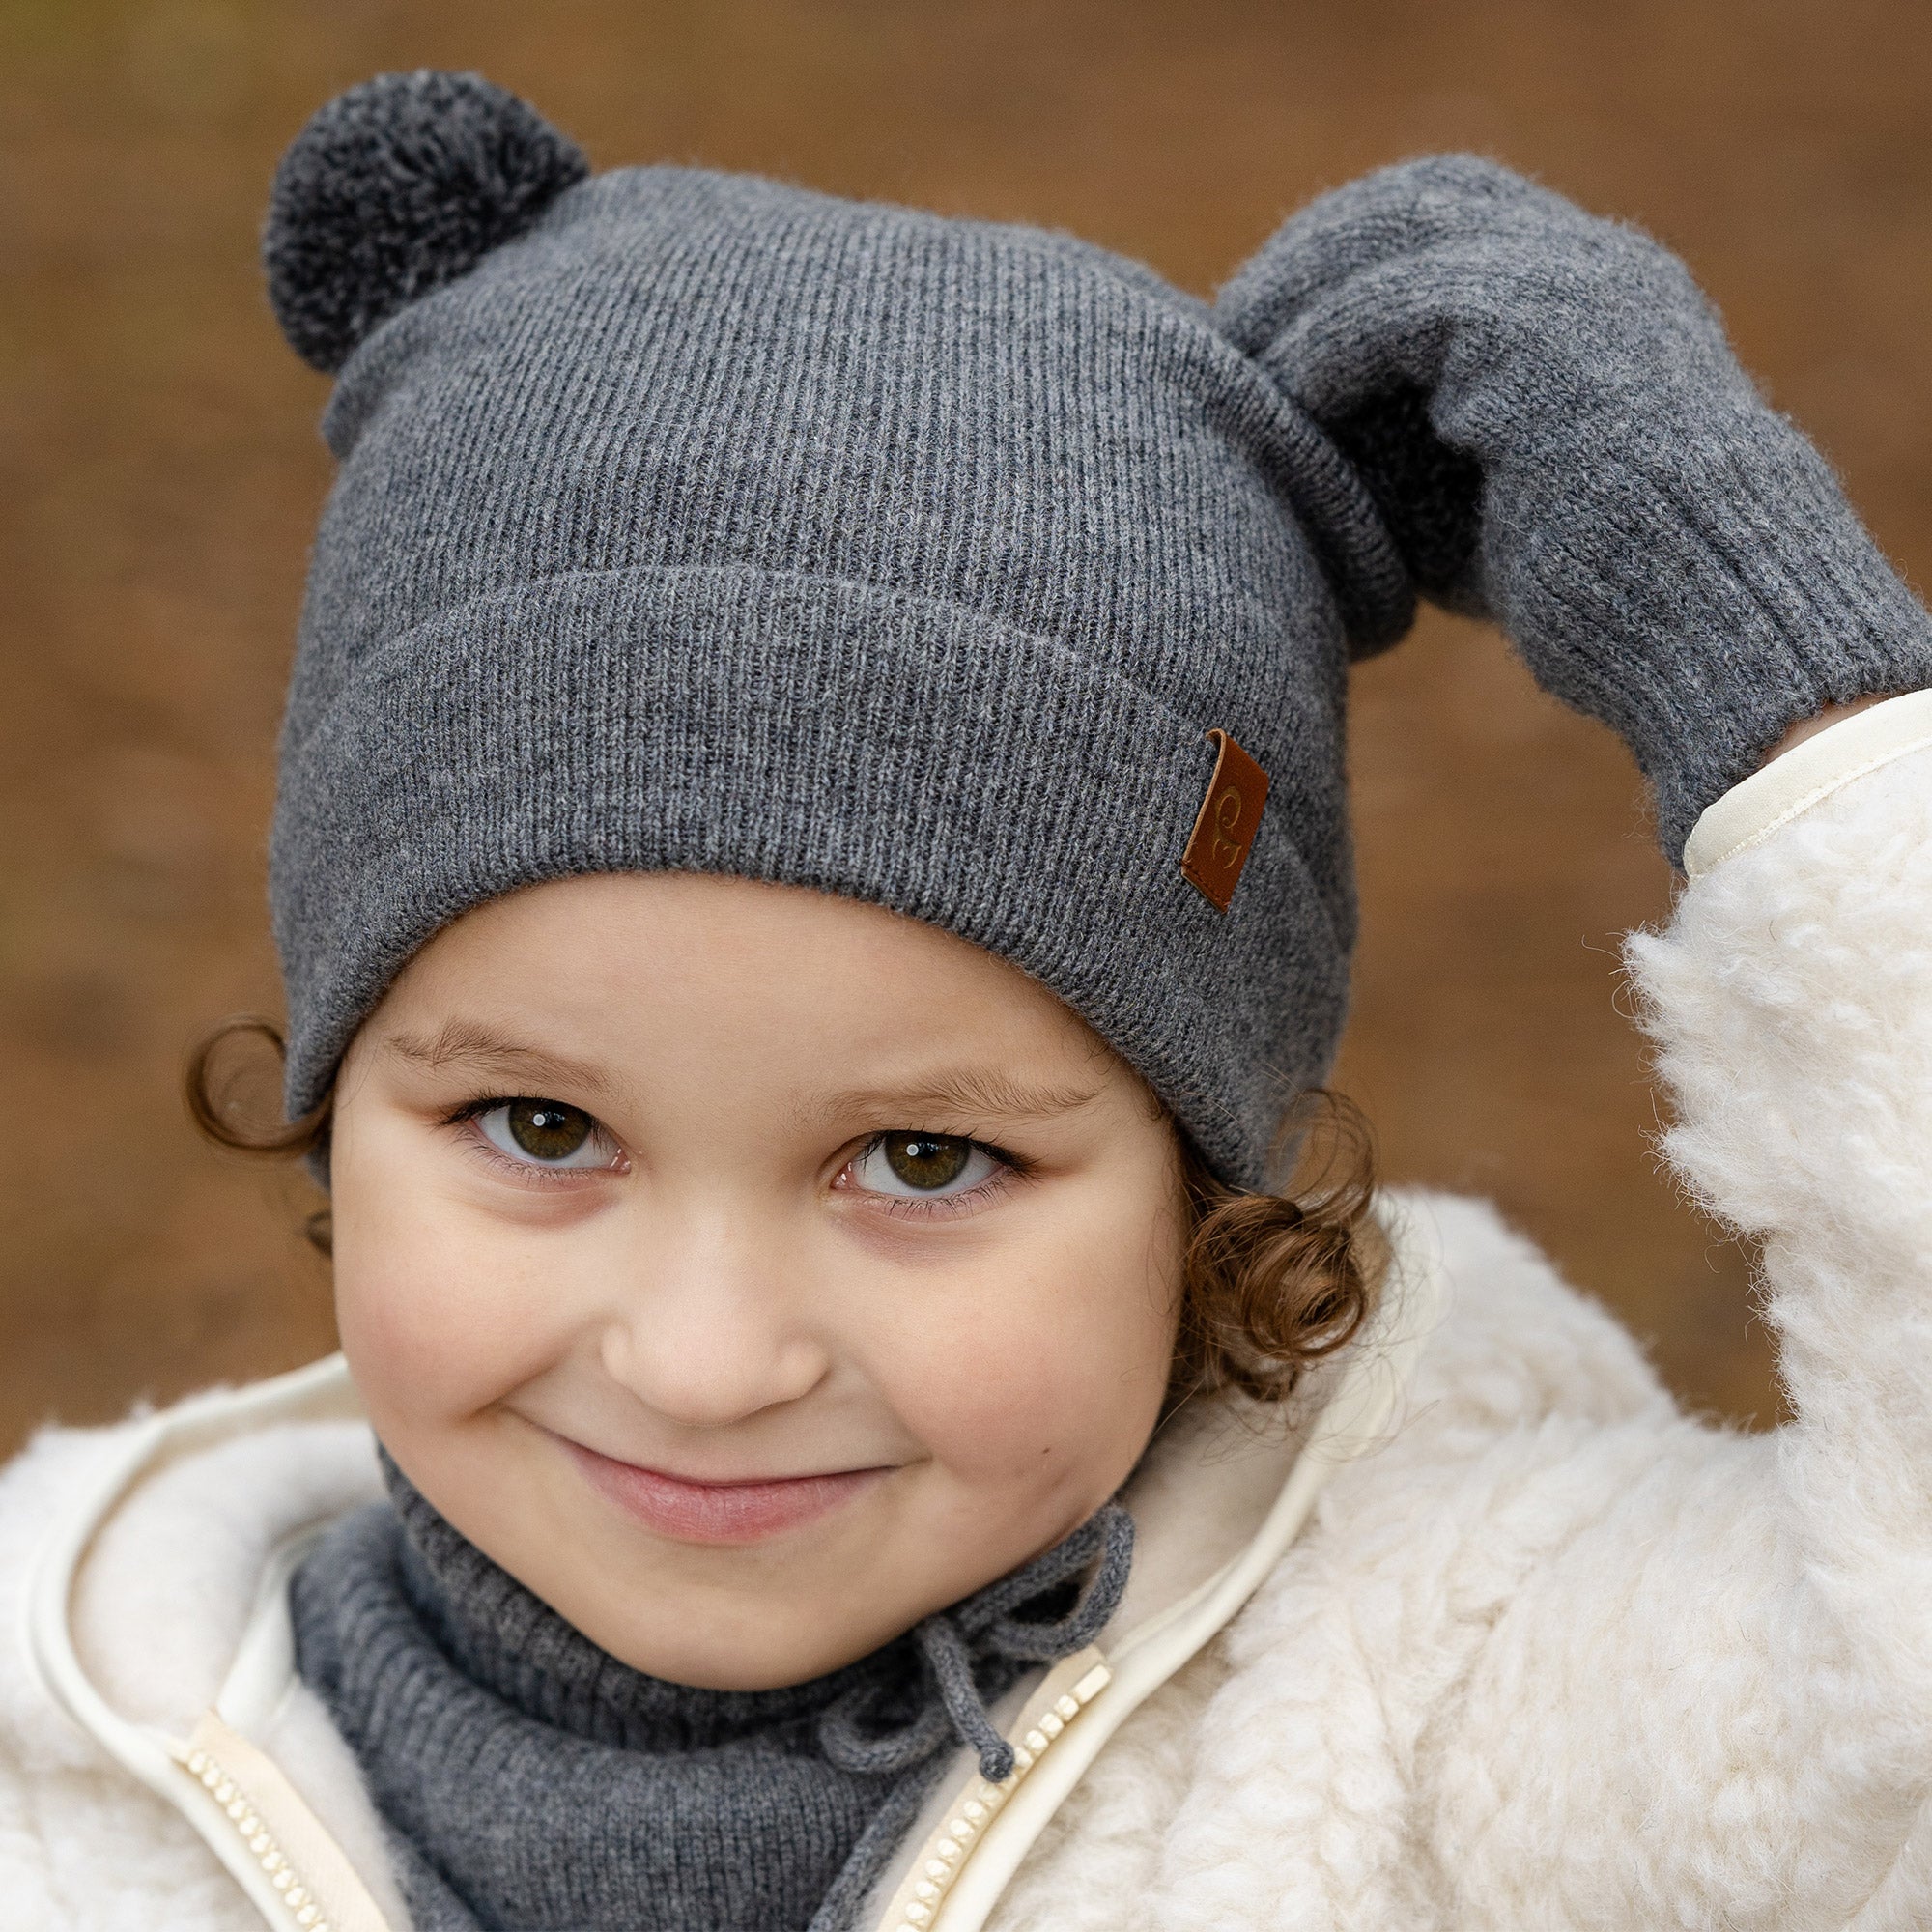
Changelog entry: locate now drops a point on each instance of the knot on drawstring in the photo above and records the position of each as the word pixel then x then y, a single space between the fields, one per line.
pixel 974 1639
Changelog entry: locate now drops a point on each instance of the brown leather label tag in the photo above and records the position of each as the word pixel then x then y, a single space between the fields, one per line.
pixel 1225 827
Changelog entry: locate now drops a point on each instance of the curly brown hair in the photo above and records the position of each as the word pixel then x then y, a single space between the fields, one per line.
pixel 1271 1284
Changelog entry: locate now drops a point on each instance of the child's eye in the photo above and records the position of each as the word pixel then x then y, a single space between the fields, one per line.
pixel 545 1133
pixel 915 1166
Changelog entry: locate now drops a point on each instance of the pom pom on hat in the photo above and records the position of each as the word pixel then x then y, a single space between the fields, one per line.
pixel 394 188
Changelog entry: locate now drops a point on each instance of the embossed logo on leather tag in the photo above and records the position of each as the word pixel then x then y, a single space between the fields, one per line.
pixel 1225 827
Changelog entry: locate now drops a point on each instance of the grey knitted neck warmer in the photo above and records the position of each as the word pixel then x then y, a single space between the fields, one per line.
pixel 531 1780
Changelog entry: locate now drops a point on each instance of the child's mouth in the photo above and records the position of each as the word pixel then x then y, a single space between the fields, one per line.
pixel 705 1512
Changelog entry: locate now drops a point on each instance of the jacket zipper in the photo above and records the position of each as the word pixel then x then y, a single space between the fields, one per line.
pixel 296 1893
pixel 946 1853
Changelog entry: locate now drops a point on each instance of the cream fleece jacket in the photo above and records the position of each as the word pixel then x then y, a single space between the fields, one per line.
pixel 1540 1651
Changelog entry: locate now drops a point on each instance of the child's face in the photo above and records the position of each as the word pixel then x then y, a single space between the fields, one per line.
pixel 674 1267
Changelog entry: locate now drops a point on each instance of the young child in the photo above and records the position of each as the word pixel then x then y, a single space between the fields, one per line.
pixel 811 873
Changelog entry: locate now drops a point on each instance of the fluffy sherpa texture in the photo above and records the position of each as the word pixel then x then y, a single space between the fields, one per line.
pixel 166 1596
pixel 394 188
pixel 1555 1656
pixel 711 524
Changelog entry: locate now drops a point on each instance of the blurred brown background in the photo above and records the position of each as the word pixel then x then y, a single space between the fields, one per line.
pixel 159 475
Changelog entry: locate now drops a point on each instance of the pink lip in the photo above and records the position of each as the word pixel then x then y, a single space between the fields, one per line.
pixel 689 1512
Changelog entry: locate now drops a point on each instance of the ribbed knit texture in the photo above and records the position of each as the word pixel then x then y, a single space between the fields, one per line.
pixel 531 1782
pixel 712 525
pixel 1667 553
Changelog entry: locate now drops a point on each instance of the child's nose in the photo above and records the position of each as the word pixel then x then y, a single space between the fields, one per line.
pixel 709 1333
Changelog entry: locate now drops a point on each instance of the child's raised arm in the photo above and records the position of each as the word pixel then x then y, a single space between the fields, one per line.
pixel 1651 1679
pixel 1791 1000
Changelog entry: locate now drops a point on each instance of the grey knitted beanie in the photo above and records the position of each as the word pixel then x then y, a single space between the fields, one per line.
pixel 687 520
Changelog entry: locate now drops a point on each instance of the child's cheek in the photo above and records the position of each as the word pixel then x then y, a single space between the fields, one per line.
pixel 438 1319
pixel 1053 1387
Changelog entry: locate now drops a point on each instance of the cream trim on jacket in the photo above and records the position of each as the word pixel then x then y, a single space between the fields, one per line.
pixel 1807 775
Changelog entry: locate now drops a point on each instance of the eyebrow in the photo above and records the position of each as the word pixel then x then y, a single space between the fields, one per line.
pixel 962 1093
pixel 968 1093
pixel 471 1043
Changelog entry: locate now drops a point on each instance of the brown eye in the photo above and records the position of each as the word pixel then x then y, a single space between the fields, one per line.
pixel 926 1161
pixel 546 1132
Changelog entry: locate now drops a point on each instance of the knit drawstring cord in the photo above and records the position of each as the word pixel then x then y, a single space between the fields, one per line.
pixel 985 1628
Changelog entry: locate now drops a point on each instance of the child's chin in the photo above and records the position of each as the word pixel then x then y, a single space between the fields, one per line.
pixel 763 1644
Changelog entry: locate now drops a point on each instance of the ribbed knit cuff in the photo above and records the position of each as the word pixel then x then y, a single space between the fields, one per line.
pixel 1725 592
pixel 823 734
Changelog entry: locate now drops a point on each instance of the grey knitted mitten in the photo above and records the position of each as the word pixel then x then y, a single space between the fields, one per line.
pixel 1547 416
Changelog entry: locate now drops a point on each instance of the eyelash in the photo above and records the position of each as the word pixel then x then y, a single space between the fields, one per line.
pixel 1011 1166
pixel 523 1174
